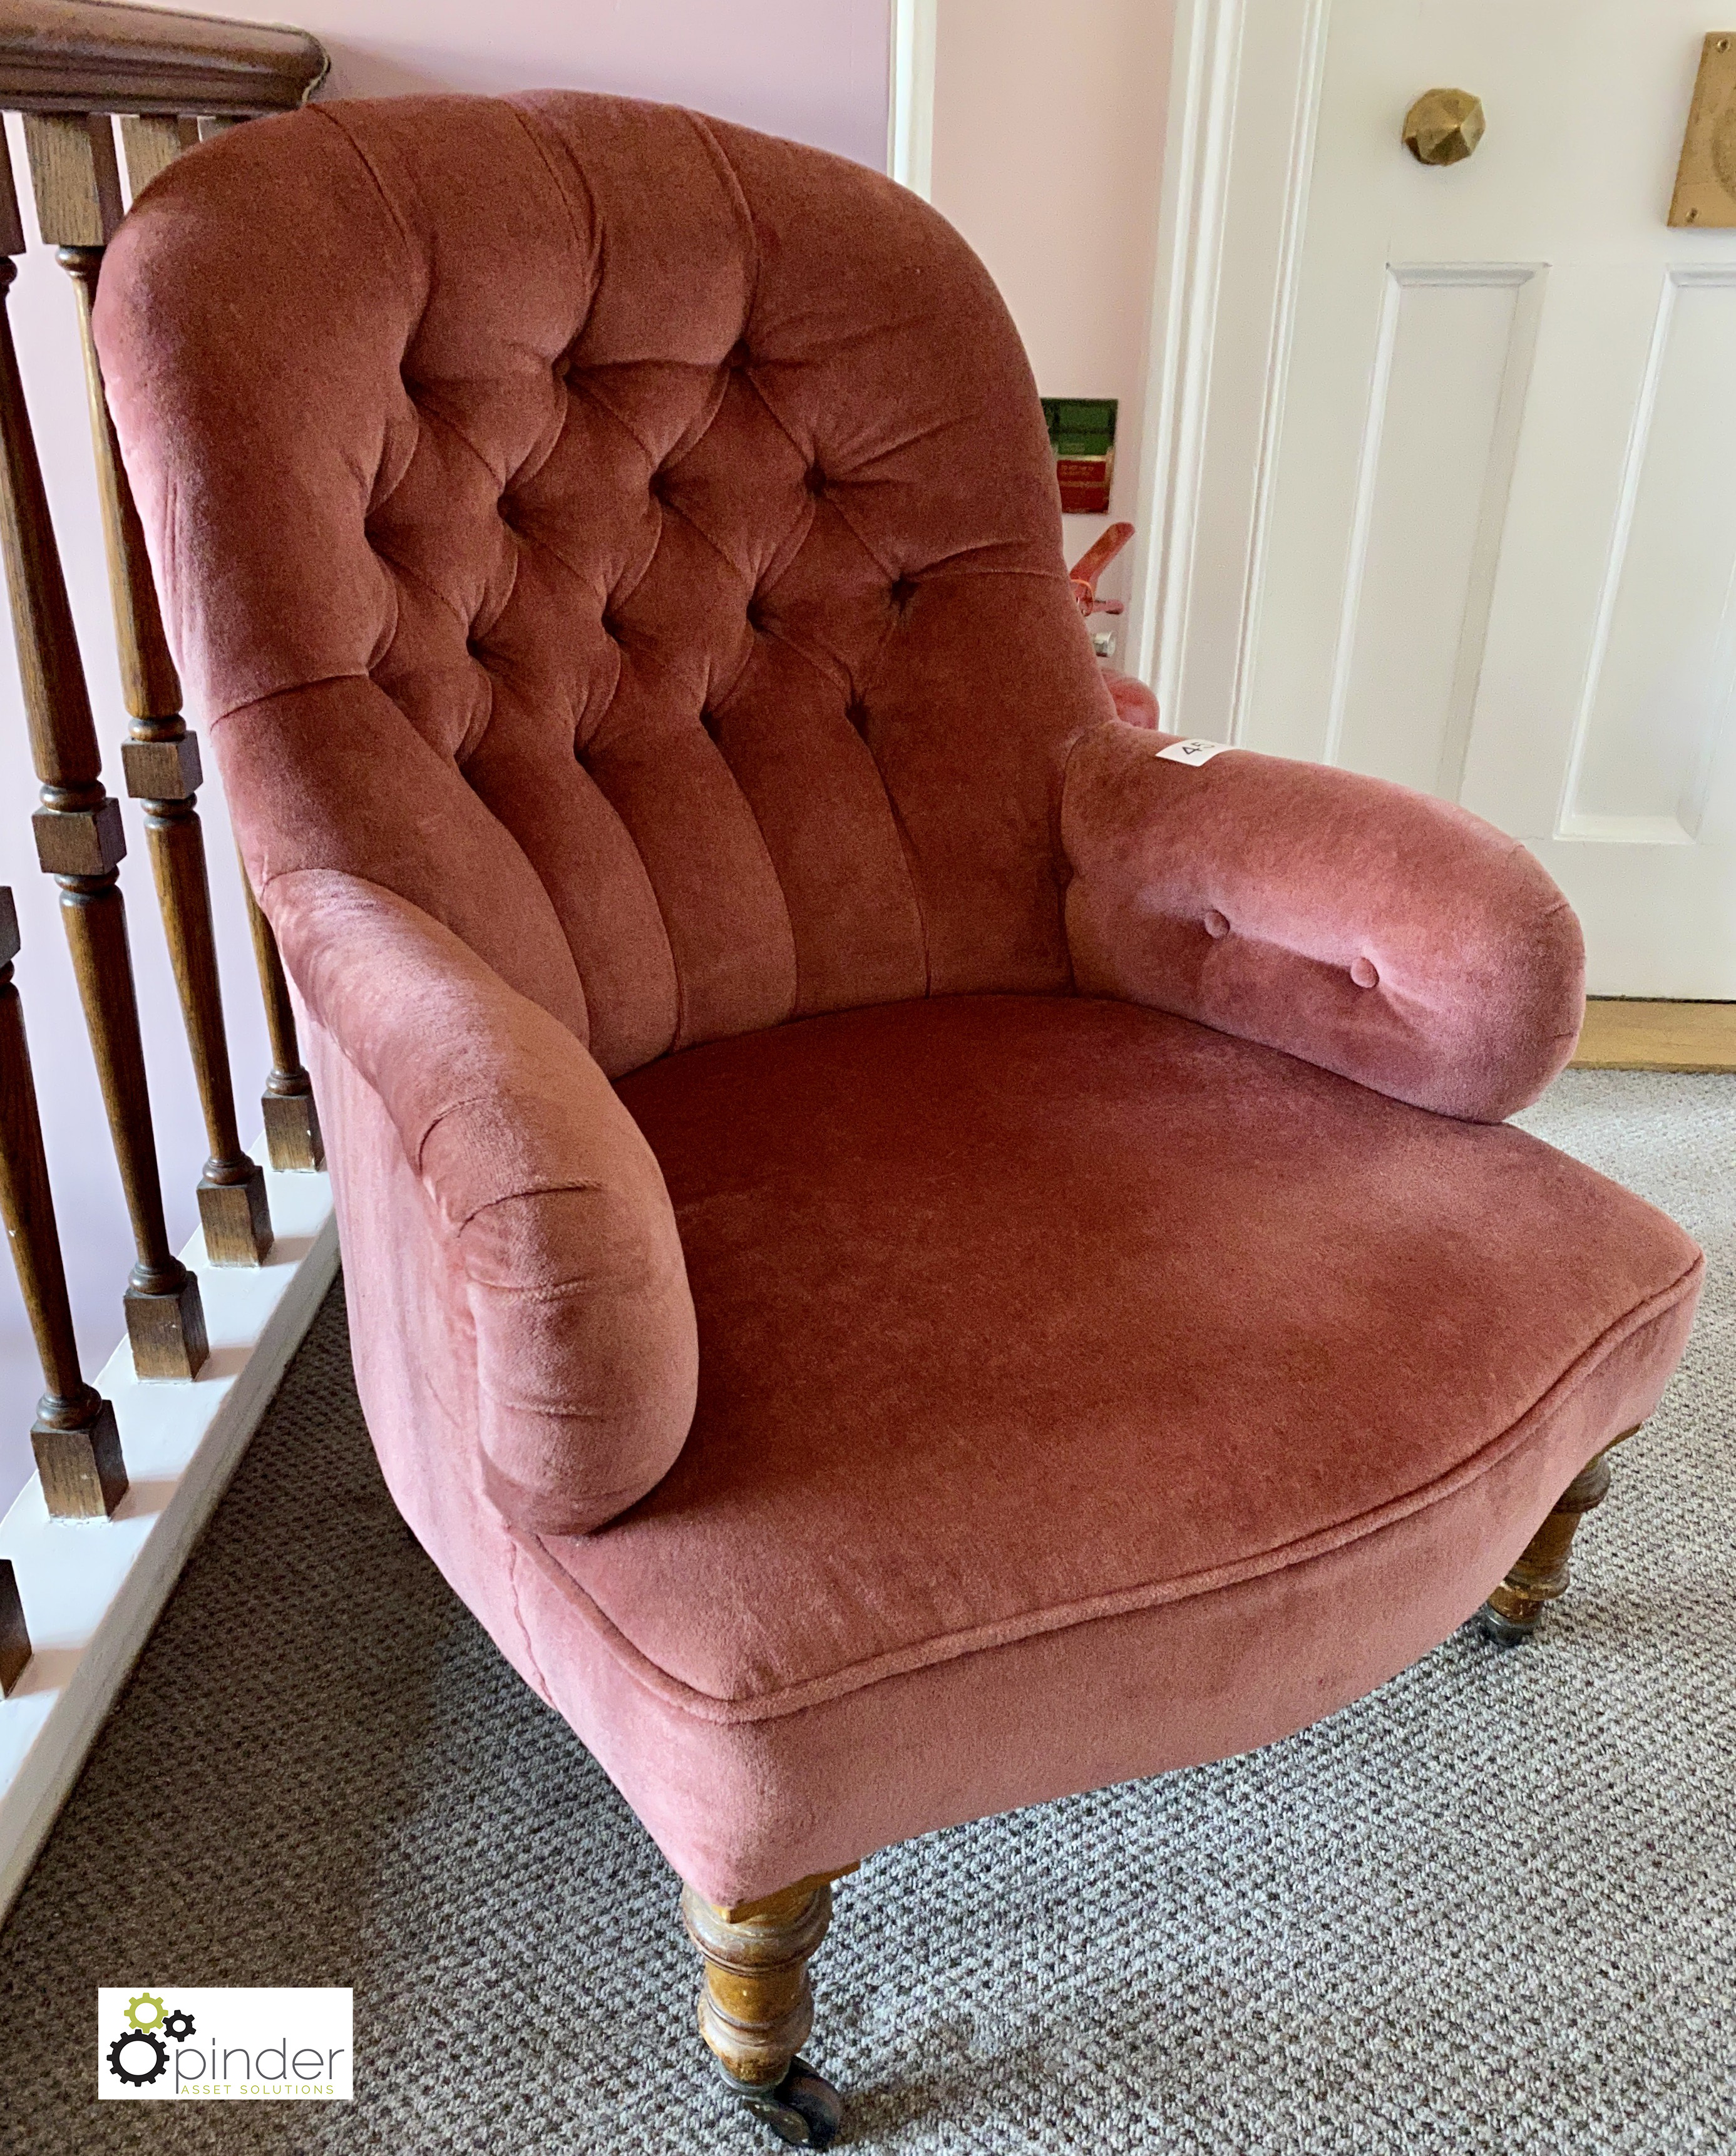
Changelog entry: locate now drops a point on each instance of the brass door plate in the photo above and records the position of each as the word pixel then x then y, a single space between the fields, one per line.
pixel 1706 178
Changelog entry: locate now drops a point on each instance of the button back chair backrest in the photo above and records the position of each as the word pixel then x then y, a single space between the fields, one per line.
pixel 640 536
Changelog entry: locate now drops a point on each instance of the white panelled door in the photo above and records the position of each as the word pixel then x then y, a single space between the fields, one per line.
pixel 1477 532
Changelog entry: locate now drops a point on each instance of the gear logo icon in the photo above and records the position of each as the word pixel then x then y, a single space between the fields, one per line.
pixel 138 2057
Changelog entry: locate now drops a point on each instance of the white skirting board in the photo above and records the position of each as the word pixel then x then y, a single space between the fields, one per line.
pixel 92 1589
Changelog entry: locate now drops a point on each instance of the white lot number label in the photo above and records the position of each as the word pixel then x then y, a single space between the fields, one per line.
pixel 166 2043
pixel 1192 751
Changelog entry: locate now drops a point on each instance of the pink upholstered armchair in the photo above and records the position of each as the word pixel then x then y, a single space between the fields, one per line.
pixel 910 1251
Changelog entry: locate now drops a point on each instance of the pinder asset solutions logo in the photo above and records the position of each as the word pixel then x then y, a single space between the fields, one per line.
pixel 230 2043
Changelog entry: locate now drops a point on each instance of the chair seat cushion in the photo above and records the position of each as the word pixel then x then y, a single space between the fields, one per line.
pixel 1014 1311
pixel 1033 1322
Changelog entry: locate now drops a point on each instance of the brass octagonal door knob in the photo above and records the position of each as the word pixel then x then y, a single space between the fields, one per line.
pixel 1444 126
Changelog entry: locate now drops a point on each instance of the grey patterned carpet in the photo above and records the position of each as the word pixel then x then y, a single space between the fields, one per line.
pixel 1492 1909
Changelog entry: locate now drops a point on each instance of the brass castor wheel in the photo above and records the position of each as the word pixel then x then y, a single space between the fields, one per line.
pixel 804 2109
pixel 1512 1612
pixel 1501 1630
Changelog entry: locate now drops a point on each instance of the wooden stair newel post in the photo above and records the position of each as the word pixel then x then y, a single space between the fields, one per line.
pixel 80 844
pixel 78 204
pixel 75 1437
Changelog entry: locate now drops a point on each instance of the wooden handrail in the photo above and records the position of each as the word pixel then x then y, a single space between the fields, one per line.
pixel 91 56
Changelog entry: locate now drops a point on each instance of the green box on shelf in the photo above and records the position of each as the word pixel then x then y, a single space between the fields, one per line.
pixel 1080 426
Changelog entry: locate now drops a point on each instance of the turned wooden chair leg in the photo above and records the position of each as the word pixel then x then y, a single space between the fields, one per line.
pixel 756 2005
pixel 1514 1610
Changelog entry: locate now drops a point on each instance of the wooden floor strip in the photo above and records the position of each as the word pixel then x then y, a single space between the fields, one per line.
pixel 1624 1033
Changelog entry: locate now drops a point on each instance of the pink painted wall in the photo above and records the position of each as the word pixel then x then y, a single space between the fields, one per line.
pixel 1048 152
pixel 813 69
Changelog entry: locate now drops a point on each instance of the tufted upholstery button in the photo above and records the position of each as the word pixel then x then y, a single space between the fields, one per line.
pixel 611 627
pixel 708 720
pixel 1363 972
pixel 901 592
pixel 758 617
pixel 739 358
pixel 815 479
pixel 1216 924
pixel 658 484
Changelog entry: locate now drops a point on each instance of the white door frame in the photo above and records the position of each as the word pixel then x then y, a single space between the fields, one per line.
pixel 1245 94
pixel 914 29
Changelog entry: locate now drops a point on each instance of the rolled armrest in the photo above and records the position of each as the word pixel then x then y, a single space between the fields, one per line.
pixel 1376 932
pixel 568 1261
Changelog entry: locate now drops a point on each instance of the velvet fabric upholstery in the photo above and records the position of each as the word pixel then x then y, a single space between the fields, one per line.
pixel 1097 1308
pixel 631 497
pixel 831 1628
pixel 1132 701
pixel 1381 934
pixel 565 1250
pixel 1041 1299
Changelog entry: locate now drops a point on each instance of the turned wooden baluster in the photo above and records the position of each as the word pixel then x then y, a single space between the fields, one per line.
pixel 80 843
pixel 78 203
pixel 75 1436
pixel 153 140
pixel 292 1122
pixel 14 1632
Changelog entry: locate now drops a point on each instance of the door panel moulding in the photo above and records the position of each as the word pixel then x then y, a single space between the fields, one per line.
pixel 910 102
pixel 1678 824
pixel 1633 464
pixel 1195 290
pixel 1497 451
